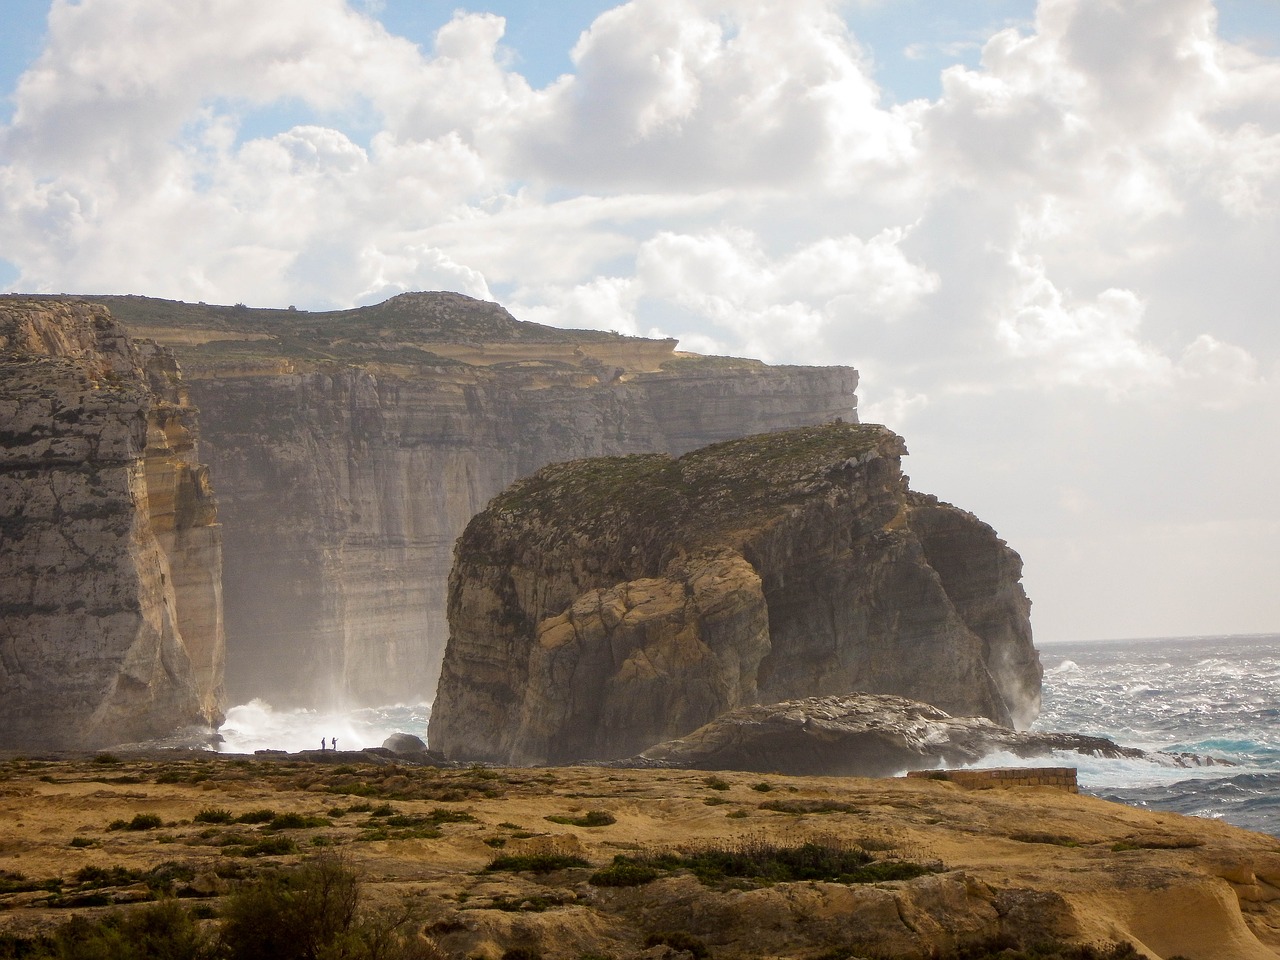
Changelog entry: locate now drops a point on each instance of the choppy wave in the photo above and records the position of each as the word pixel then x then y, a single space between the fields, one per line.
pixel 1210 696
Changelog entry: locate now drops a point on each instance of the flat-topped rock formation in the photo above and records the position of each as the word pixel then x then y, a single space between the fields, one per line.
pixel 349 449
pixel 602 606
pixel 110 590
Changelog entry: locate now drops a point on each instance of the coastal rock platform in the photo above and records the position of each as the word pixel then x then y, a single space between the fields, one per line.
pixel 498 860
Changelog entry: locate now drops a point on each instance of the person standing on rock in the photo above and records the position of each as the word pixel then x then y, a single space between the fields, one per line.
pixel 334 741
pixel 322 744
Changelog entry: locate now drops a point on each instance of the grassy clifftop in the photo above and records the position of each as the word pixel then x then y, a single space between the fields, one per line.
pixel 693 499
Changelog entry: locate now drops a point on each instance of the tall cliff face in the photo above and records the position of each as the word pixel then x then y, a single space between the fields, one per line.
pixel 599 607
pixel 110 597
pixel 350 449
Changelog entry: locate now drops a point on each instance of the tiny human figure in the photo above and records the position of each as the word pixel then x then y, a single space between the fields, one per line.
pixel 322 743
pixel 334 742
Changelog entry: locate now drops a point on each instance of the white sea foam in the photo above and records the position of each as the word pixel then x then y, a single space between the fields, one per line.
pixel 257 725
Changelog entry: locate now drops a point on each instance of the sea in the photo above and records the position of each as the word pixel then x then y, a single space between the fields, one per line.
pixel 1212 696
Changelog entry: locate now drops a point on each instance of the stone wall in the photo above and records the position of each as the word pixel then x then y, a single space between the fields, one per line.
pixel 1003 778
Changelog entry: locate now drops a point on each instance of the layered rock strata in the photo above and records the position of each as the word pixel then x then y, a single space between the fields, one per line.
pixel 605 605
pixel 110 573
pixel 350 449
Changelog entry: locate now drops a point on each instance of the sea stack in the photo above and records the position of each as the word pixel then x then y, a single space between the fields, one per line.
pixel 110 573
pixel 605 605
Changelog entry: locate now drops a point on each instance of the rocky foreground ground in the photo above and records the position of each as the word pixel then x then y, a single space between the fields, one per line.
pixel 522 863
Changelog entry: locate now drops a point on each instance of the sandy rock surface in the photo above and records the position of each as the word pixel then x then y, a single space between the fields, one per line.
pixel 1029 863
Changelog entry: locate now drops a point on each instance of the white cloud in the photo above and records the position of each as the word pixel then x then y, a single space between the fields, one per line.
pixel 782 306
pixel 1094 343
pixel 1219 375
pixel 1073 239
pixel 698 92
pixel 606 303
pixel 896 410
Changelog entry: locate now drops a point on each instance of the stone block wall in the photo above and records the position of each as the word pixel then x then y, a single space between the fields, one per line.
pixel 1001 778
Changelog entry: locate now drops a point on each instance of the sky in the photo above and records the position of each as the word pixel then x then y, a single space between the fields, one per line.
pixel 1045 233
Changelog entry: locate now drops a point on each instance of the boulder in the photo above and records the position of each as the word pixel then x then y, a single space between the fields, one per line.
pixel 404 743
pixel 862 735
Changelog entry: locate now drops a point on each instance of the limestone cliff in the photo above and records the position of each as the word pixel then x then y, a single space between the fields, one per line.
pixel 602 606
pixel 110 596
pixel 349 450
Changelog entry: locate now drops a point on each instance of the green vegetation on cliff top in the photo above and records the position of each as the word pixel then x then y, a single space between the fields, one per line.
pixel 683 500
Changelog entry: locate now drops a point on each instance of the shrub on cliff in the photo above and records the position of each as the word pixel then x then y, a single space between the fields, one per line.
pixel 758 860
pixel 313 912
pixel 161 931
pixel 292 914
pixel 309 912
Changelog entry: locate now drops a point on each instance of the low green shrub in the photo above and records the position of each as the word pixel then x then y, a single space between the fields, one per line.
pixel 214 815
pixel 11 882
pixel 626 872
pixel 265 815
pixel 295 821
pixel 160 930
pixel 761 861
pixel 535 863
pixel 593 818
pixel 273 846
pixel 140 821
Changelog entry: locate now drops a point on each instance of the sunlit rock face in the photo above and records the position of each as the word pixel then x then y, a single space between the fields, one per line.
pixel 349 450
pixel 605 605
pixel 110 573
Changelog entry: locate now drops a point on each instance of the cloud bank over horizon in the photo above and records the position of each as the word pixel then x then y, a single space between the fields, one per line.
pixel 1055 277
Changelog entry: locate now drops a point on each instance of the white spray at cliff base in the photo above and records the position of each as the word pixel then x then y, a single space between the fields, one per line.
pixel 256 725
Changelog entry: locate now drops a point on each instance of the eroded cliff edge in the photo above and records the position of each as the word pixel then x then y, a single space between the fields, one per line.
pixel 605 605
pixel 110 572
pixel 349 449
